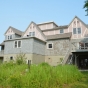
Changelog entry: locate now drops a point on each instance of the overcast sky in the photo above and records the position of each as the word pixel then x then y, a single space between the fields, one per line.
pixel 19 13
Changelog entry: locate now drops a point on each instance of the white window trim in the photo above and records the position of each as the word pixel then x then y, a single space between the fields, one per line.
pixel 77 31
pixel 32 32
pixel 9 37
pixel 17 44
pixel 63 31
pixel 48 44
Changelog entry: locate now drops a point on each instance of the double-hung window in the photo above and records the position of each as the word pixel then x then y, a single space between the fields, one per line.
pixel 17 44
pixel 61 31
pixel 32 34
pixel 76 30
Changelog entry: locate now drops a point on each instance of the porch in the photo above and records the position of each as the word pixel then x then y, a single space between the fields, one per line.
pixel 80 59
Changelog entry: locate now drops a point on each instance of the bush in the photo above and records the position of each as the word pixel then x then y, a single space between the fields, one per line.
pixel 20 58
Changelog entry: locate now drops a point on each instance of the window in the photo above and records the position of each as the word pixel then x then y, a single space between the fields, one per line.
pixel 17 44
pixel 9 37
pixel 61 31
pixel 11 58
pixel 31 33
pixel 83 45
pixel 79 30
pixel 50 46
pixel 76 30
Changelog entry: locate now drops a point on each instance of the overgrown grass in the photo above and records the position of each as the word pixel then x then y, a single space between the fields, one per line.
pixel 39 76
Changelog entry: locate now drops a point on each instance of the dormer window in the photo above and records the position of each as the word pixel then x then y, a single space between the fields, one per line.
pixel 9 37
pixel 61 31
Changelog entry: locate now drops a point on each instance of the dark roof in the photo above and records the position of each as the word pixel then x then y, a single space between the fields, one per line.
pixel 59 36
pixel 2 44
pixel 87 25
pixel 16 31
pixel 56 28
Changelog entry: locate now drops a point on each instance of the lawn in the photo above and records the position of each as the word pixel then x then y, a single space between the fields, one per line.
pixel 13 75
pixel 83 83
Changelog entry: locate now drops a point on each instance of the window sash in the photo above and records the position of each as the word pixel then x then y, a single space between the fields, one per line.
pixel 61 31
pixel 17 44
pixel 74 31
pixel 49 45
pixel 79 30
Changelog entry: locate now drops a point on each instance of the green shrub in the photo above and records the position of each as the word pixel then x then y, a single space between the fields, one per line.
pixel 20 58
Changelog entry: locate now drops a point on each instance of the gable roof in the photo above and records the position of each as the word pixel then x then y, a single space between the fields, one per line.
pixel 47 23
pixel 56 28
pixel 16 31
pixel 79 20
pixel 37 29
pixel 59 36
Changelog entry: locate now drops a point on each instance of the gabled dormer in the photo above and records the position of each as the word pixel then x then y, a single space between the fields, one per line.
pixel 12 33
pixel 34 31
pixel 78 28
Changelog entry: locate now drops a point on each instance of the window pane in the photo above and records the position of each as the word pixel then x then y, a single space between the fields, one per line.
pixel 33 33
pixel 19 43
pixel 15 44
pixel 61 31
pixel 79 30
pixel 10 36
pixel 50 46
pixel 74 30
pixel 29 33
pixel 86 44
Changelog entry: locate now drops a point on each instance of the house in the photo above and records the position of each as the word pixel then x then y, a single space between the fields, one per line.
pixel 48 42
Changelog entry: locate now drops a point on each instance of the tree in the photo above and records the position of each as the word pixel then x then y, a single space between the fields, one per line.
pixel 86 6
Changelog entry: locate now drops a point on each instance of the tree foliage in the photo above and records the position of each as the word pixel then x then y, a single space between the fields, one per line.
pixel 86 6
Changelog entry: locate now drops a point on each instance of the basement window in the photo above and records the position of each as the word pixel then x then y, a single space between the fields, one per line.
pixel 11 58
pixel 50 45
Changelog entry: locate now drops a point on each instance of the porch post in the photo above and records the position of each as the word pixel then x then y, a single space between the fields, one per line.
pixel 75 60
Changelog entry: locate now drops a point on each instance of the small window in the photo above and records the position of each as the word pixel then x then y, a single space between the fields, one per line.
pixel 50 46
pixel 74 30
pixel 11 58
pixel 79 30
pixel 61 31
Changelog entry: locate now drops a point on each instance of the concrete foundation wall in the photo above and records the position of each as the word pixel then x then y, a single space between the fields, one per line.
pixel 37 59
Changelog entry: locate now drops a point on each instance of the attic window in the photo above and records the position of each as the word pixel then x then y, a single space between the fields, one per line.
pixel 77 21
pixel 74 22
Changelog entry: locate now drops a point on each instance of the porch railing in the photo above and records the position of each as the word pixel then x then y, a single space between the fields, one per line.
pixel 80 49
